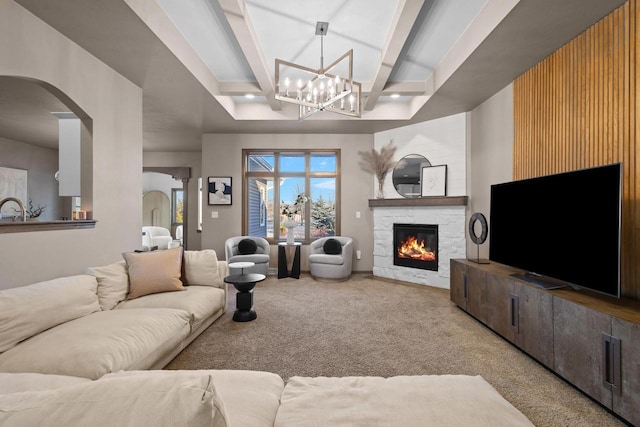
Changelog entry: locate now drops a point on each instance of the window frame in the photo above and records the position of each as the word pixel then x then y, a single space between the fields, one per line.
pixel 174 202
pixel 276 175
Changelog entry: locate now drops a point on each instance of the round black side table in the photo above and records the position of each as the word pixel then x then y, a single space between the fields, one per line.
pixel 244 283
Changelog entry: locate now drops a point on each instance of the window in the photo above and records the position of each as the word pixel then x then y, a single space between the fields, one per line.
pixel 275 180
pixel 177 205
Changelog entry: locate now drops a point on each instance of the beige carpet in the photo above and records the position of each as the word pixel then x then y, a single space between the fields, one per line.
pixel 367 326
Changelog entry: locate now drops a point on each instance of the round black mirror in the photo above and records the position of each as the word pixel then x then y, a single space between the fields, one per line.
pixel 406 175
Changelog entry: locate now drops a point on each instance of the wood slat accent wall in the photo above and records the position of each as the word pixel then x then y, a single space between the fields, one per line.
pixel 579 108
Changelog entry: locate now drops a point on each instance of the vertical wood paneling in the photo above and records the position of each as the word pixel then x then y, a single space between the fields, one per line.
pixel 579 108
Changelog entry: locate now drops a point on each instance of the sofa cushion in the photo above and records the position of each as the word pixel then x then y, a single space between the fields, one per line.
pixel 102 342
pixel 332 247
pixel 29 310
pixel 152 400
pixel 152 272
pixel 250 398
pixel 28 381
pixel 201 268
pixel 113 283
pixel 201 302
pixel 247 247
pixel 428 400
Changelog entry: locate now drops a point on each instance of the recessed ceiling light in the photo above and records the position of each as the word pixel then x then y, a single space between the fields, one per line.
pixel 249 96
pixel 395 95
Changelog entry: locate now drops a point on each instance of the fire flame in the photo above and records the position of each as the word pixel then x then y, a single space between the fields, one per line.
pixel 410 248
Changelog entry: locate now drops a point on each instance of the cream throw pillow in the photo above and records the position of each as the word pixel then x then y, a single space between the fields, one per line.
pixel 153 272
pixel 29 310
pixel 201 268
pixel 154 400
pixel 113 283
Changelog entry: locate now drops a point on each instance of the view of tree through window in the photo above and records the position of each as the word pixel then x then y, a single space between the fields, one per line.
pixel 303 201
pixel 177 205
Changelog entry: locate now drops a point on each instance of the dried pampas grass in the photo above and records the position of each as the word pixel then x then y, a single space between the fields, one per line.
pixel 378 163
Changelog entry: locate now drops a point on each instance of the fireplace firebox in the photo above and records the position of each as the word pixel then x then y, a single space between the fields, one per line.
pixel 416 246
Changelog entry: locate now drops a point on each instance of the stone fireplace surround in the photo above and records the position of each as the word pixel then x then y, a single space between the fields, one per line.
pixel 447 212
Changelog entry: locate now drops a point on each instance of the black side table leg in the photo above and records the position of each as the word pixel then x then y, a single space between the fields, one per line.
pixel 244 307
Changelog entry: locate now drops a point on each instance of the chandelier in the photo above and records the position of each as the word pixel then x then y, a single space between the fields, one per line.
pixel 326 89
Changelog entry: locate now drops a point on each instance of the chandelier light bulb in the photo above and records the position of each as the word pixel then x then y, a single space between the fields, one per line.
pixel 286 86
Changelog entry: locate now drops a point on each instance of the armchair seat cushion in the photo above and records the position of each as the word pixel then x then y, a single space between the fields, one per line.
pixel 326 259
pixel 255 258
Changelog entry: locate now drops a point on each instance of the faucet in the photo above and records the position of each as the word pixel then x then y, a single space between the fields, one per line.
pixel 23 211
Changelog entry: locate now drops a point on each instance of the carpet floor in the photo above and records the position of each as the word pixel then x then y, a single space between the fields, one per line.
pixel 376 327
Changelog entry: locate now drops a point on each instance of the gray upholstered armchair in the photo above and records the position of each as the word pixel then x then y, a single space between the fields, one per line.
pixel 238 251
pixel 335 265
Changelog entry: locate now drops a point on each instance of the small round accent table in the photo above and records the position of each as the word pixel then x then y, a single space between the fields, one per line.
pixel 244 283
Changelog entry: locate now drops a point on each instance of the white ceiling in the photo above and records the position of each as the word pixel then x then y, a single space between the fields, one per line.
pixel 195 60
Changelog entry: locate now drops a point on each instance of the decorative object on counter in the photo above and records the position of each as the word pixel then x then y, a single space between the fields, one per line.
pixel 33 213
pixel 293 213
pixel 433 180
pixel 478 240
pixel 79 214
pixel 219 190
pixel 379 164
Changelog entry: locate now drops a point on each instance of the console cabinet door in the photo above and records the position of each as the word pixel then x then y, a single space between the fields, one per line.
pixel 578 355
pixel 626 400
pixel 534 334
pixel 477 293
pixel 458 287
pixel 502 307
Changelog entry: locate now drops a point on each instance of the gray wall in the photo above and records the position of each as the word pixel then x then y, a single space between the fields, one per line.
pixel 489 155
pixel 115 105
pixel 41 164
pixel 222 156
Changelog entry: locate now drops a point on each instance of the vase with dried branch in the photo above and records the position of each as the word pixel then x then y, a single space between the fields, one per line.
pixel 32 212
pixel 379 164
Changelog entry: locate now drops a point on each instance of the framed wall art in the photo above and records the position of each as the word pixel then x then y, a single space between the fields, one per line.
pixel 433 180
pixel 219 190
pixel 13 183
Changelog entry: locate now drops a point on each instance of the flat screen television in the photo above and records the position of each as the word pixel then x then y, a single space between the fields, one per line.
pixel 564 228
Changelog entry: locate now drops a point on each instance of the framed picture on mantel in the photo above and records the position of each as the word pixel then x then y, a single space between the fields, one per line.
pixel 219 190
pixel 433 180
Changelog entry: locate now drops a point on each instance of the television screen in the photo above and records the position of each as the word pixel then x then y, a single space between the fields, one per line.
pixel 564 226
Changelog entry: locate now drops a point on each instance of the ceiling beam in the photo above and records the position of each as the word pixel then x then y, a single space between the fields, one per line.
pixel 242 27
pixel 405 17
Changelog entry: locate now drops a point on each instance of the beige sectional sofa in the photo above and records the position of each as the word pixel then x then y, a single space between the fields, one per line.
pixel 86 325
pixel 81 351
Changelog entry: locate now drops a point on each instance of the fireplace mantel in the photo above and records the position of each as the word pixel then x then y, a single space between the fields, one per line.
pixel 421 201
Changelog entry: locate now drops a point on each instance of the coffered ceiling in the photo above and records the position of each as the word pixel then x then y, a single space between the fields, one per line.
pixel 197 60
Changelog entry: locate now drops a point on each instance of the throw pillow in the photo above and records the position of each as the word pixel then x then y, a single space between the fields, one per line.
pixel 113 283
pixel 332 247
pixel 153 272
pixel 201 268
pixel 247 247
